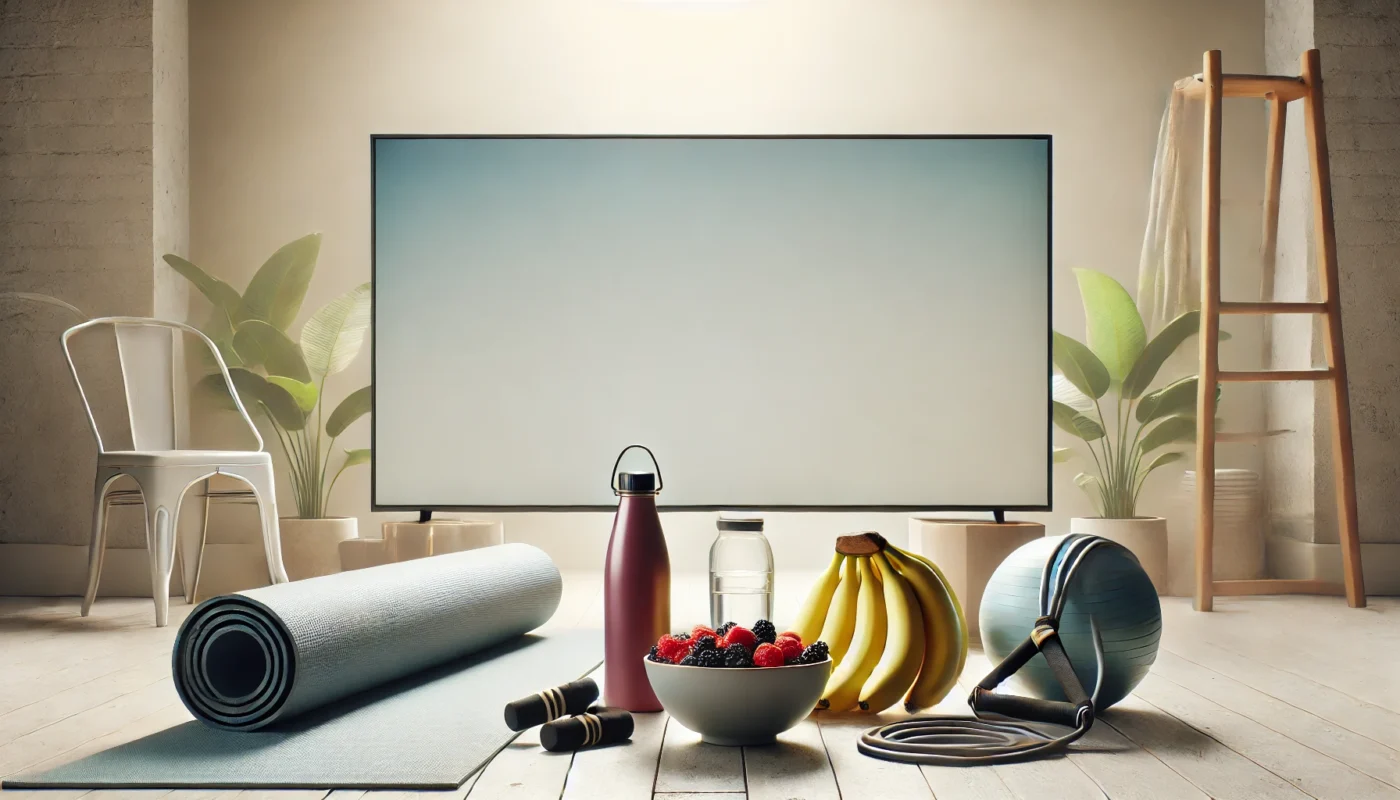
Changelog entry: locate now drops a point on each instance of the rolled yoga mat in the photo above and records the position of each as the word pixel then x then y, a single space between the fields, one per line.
pixel 389 677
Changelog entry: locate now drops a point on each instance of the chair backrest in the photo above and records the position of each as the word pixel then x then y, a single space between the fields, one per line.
pixel 145 348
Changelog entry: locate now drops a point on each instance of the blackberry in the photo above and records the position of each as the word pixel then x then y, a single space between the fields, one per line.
pixel 684 636
pixel 724 629
pixel 765 631
pixel 655 656
pixel 736 655
pixel 705 643
pixel 815 652
pixel 690 661
pixel 709 658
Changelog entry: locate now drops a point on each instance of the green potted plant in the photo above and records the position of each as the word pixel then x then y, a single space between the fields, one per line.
pixel 282 380
pixel 1103 397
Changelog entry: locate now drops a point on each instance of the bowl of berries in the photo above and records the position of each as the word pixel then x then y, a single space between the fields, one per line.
pixel 738 685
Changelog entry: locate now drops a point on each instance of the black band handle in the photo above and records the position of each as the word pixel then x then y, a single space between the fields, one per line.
pixel 1044 639
pixel 1030 709
pixel 613 480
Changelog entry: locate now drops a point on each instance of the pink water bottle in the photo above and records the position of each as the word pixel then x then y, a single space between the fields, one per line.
pixel 636 589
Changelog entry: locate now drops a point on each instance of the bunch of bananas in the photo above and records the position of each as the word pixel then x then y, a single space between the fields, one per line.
pixel 894 627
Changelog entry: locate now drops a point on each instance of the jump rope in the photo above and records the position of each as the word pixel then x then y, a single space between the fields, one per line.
pixel 997 734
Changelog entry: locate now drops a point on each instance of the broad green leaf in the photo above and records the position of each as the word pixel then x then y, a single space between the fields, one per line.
pixel 333 336
pixel 1065 392
pixel 1115 330
pixel 1172 430
pixel 1161 460
pixel 353 457
pixel 1084 480
pixel 354 406
pixel 224 297
pixel 305 394
pixel 1075 423
pixel 213 392
pixel 275 293
pixel 1080 366
pixel 1177 398
pixel 254 389
pixel 260 345
pixel 1158 351
pixel 1062 454
pixel 1174 398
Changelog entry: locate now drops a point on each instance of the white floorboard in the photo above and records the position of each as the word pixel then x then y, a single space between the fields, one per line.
pixel 1268 697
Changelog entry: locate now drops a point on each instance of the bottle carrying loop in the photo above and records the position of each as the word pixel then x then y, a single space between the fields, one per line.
pixel 613 480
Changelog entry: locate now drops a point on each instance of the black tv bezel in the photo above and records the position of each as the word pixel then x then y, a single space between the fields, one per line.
pixel 1049 504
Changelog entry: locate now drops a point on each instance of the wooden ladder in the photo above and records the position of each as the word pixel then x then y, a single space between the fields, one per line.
pixel 1279 91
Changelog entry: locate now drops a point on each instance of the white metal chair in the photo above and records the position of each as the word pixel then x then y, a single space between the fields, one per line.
pixel 163 473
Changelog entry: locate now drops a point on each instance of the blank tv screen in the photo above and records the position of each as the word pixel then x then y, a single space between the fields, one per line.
pixel 787 322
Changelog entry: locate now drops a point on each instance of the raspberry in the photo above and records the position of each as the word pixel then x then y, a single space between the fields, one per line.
pixel 672 648
pixel 790 635
pixel 765 631
pixel 709 658
pixel 741 635
pixel 703 630
pixel 816 652
pixel 736 655
pixel 723 629
pixel 768 655
pixel 792 648
pixel 705 643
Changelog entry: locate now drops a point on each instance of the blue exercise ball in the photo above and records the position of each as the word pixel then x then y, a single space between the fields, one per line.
pixel 1108 585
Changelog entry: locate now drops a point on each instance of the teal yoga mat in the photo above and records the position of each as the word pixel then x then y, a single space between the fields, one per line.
pixel 387 678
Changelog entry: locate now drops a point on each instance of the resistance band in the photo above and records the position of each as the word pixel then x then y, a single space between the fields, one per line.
pixel 996 735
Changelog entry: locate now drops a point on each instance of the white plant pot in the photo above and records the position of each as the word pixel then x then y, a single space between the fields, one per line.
pixel 311 547
pixel 1146 537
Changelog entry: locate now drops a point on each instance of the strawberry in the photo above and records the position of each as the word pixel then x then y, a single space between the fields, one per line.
pixel 673 649
pixel 768 655
pixel 791 647
pixel 703 630
pixel 741 635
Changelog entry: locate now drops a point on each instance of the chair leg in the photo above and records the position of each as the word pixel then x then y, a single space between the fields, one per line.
pixel 97 546
pixel 262 481
pixel 162 492
pixel 192 580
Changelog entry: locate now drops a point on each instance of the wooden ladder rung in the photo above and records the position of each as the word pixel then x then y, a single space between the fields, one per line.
pixel 1275 586
pixel 1273 308
pixel 1262 376
pixel 1282 87
pixel 1249 436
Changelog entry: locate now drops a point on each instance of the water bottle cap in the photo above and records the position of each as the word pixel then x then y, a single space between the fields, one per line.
pixel 740 524
pixel 637 482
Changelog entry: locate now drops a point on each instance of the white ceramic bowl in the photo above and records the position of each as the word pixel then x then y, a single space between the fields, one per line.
pixel 738 706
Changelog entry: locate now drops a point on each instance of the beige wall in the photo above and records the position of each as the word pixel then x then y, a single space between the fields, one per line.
pixel 92 186
pixel 284 97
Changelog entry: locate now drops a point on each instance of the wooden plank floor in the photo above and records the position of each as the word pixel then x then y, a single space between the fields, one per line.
pixel 1268 697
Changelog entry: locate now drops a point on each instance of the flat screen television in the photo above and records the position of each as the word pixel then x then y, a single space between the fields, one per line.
pixel 788 322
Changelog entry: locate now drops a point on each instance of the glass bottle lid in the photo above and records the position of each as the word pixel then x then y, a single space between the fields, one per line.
pixel 739 523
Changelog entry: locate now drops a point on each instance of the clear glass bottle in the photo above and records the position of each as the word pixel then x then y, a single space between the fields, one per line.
pixel 741 572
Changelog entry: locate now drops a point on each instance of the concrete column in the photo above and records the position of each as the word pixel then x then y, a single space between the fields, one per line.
pixel 1360 45
pixel 94 151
